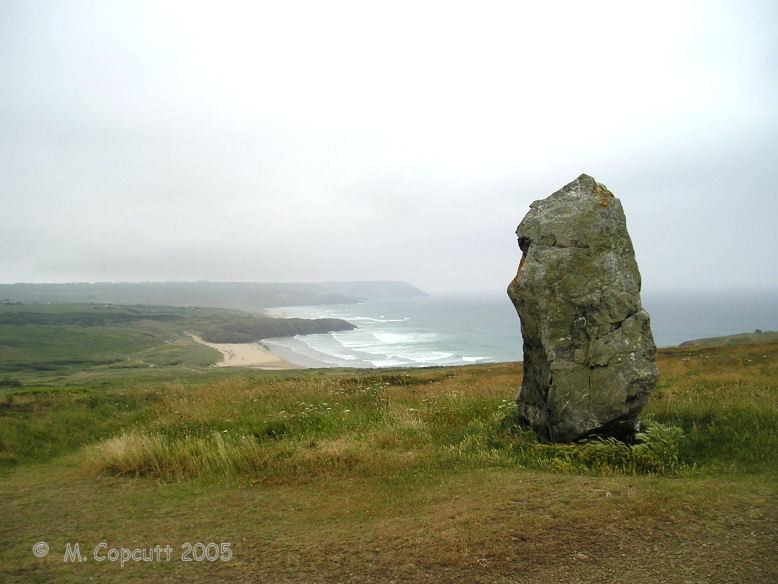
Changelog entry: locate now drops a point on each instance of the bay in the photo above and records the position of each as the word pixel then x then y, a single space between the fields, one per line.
pixel 460 330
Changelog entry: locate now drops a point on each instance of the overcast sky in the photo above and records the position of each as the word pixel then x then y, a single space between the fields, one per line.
pixel 308 141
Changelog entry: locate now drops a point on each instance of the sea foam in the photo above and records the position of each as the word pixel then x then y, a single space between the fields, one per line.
pixel 434 330
pixel 414 332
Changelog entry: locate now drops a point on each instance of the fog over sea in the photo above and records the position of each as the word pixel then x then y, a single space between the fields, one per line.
pixel 462 330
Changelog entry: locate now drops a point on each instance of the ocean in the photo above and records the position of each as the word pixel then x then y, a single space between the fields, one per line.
pixel 462 330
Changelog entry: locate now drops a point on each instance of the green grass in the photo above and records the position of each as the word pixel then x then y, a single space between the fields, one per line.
pixel 101 345
pixel 39 424
pixel 423 475
pixel 46 344
pixel 757 336
pixel 726 401
pixel 713 411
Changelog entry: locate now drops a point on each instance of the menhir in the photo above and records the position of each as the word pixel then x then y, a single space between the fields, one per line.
pixel 588 349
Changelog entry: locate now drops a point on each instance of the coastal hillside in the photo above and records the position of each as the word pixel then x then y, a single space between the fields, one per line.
pixel 238 295
pixel 51 343
pixel 402 475
pixel 757 336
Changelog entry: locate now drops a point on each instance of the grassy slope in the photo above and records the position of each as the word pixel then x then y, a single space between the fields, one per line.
pixel 424 479
pixel 47 343
pixel 754 337
pixel 107 345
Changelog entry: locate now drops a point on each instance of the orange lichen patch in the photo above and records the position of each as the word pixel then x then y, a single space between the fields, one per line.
pixel 604 195
pixel 521 265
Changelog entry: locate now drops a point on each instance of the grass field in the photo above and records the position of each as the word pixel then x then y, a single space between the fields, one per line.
pixel 394 475
pixel 108 345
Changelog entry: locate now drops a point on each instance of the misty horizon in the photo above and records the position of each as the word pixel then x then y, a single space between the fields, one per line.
pixel 298 142
pixel 733 288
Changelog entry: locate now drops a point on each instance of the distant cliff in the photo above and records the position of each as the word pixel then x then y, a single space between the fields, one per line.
pixel 238 295
pixel 253 329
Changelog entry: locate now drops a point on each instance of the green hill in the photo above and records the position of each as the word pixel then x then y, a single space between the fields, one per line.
pixel 240 295
pixel 755 337
pixel 41 343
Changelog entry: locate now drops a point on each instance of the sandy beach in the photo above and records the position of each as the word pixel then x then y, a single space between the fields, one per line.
pixel 247 355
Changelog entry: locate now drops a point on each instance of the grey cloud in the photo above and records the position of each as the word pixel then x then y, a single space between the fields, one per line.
pixel 161 141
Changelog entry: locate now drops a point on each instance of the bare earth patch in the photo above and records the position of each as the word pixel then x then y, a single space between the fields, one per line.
pixel 493 525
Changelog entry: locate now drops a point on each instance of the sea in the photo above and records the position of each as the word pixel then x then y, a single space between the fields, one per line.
pixel 442 330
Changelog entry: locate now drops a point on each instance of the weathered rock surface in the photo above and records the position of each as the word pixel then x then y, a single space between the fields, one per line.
pixel 588 348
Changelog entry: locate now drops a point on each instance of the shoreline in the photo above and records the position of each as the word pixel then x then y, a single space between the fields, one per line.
pixel 310 358
pixel 252 355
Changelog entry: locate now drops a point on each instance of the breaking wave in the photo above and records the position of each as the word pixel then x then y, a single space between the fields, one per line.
pixel 417 332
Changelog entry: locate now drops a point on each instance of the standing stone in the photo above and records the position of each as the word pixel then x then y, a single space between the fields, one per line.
pixel 588 349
